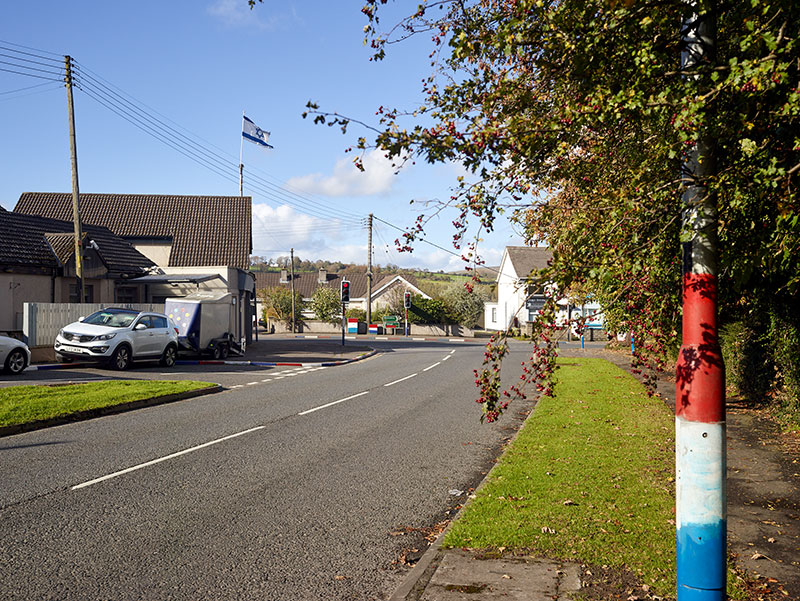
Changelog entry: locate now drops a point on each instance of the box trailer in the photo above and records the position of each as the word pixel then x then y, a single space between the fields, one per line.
pixel 206 323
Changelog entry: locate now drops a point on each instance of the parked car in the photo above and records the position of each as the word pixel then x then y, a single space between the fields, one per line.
pixel 118 337
pixel 15 355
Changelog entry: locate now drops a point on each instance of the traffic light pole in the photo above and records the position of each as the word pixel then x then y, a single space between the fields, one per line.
pixel 700 446
pixel 343 323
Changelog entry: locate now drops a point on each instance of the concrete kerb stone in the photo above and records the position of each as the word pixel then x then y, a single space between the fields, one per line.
pixel 217 362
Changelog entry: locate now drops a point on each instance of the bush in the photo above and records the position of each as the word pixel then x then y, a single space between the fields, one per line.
pixel 464 306
pixel 279 300
pixel 327 305
pixel 749 367
pixel 359 314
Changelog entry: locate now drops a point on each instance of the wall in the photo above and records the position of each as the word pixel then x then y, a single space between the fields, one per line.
pixel 15 289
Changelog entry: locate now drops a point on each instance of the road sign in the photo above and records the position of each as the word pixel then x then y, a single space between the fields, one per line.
pixel 535 303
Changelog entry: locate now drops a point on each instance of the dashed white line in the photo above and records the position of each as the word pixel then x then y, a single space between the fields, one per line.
pixel 253 383
pixel 333 403
pixel 267 380
pixel 432 366
pixel 172 456
pixel 400 380
pixel 446 357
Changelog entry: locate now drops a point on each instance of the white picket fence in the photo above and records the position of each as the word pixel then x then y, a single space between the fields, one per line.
pixel 42 321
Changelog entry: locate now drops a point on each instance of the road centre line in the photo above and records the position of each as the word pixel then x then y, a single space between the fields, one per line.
pixel 165 458
pixel 432 366
pixel 400 380
pixel 333 403
pixel 446 357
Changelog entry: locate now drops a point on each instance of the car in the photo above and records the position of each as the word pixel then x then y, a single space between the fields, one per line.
pixel 15 355
pixel 118 337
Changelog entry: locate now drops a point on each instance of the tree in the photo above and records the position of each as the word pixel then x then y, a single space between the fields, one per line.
pixel 466 306
pixel 326 304
pixel 576 116
pixel 279 299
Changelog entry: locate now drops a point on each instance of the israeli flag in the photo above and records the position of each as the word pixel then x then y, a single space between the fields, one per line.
pixel 252 132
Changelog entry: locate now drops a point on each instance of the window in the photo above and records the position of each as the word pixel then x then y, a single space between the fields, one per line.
pixel 494 314
pixel 158 322
pixel 145 320
pixel 88 291
pixel 127 294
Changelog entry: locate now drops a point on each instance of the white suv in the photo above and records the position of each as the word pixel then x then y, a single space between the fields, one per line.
pixel 119 336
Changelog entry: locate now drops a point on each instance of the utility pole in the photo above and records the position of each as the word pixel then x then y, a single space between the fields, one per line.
pixel 291 279
pixel 369 271
pixel 700 446
pixel 76 195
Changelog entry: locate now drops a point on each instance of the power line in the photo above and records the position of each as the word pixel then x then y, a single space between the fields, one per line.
pixel 276 192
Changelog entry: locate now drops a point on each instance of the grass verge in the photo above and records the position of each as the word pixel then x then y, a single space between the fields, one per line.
pixel 589 478
pixel 25 404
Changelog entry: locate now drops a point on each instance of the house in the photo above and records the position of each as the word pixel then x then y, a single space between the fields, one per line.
pixel 197 243
pixel 384 288
pixel 516 280
pixel 37 264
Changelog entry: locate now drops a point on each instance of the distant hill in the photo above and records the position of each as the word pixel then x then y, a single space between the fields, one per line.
pixel 485 273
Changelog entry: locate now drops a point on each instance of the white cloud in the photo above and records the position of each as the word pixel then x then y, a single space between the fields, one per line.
pixel 282 228
pixel 377 178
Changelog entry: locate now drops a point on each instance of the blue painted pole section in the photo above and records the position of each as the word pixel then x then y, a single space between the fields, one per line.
pixel 632 347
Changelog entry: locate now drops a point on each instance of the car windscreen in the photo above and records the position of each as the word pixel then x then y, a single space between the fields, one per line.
pixel 113 319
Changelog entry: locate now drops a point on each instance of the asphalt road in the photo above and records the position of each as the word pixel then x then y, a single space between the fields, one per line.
pixel 295 483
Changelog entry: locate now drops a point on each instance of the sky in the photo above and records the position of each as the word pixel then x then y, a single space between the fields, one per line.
pixel 185 71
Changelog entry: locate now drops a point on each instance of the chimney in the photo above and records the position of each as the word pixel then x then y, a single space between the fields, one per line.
pixel 284 276
pixel 323 276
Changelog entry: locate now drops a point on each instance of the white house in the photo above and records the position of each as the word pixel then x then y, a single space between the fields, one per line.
pixel 520 292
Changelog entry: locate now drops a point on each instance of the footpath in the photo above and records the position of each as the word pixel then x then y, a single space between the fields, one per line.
pixel 763 527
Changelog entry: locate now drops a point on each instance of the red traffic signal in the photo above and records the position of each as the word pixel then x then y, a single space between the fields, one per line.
pixel 407 300
pixel 345 291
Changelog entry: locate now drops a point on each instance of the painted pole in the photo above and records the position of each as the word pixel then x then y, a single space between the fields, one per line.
pixel 700 453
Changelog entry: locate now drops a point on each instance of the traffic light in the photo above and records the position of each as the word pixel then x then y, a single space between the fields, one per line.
pixel 345 291
pixel 407 300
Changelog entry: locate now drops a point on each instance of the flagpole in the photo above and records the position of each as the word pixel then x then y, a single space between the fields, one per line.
pixel 241 164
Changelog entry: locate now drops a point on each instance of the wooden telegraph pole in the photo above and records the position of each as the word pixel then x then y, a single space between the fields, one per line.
pixel 76 195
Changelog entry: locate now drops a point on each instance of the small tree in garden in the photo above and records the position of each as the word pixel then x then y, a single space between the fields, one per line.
pixel 279 299
pixel 327 305
pixel 465 306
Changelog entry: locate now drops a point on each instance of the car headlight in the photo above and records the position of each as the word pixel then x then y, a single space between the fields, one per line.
pixel 61 333
pixel 106 337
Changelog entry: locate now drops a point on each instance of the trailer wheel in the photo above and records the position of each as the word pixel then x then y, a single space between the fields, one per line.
pixel 216 352
pixel 224 350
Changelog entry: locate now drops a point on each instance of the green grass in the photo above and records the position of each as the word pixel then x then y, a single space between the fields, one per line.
pixel 589 478
pixel 25 404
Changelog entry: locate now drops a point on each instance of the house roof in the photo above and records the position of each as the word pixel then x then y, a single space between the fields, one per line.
pixel 306 283
pixel 525 259
pixel 31 241
pixel 204 230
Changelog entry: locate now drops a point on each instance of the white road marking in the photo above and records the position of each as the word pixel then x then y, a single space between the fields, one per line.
pixel 252 383
pixel 453 351
pixel 432 366
pixel 446 357
pixel 267 380
pixel 237 386
pixel 333 403
pixel 455 339
pixel 400 380
pixel 159 460
pixel 418 339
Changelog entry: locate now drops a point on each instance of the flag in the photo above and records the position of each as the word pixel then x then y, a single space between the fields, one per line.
pixel 252 132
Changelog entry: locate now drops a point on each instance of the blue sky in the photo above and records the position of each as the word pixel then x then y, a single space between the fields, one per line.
pixel 194 66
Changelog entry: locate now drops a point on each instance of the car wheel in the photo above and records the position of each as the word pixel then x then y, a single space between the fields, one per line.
pixel 121 359
pixel 169 356
pixel 16 362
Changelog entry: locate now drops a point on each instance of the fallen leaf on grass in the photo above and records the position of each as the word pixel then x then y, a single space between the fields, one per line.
pixel 570 502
